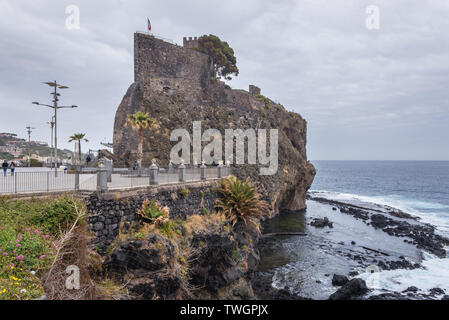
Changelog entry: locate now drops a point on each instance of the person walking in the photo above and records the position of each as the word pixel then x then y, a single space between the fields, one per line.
pixel 12 166
pixel 88 159
pixel 5 167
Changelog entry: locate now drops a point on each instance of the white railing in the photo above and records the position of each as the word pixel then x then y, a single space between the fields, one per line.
pixel 40 181
pixel 87 179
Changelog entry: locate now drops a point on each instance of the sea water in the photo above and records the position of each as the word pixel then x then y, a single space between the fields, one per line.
pixel 420 188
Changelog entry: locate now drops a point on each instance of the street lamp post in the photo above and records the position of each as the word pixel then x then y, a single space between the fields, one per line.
pixel 55 106
pixel 29 131
pixel 52 124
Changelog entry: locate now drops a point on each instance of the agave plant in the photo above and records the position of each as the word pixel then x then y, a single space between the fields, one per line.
pixel 240 202
pixel 151 212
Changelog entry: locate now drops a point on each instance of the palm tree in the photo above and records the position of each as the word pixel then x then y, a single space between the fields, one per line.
pixel 78 137
pixel 140 121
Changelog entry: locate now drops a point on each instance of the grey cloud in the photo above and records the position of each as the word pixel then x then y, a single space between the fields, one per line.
pixel 365 94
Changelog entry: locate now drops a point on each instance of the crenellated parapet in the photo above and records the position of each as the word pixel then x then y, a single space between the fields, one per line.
pixel 190 42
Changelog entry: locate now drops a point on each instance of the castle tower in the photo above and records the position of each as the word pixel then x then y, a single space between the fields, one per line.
pixel 254 90
pixel 166 66
pixel 190 42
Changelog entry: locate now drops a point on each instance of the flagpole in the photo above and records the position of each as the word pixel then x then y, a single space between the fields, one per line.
pixel 148 26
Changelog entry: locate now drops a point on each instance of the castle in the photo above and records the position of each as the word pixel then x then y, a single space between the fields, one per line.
pixel 177 86
pixel 165 66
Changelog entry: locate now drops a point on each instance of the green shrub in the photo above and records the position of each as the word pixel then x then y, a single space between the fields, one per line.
pixel 240 201
pixel 35 163
pixel 50 216
pixel 139 235
pixel 265 100
pixel 184 192
pixel 235 255
pixel 153 212
pixel 170 229
pixel 56 216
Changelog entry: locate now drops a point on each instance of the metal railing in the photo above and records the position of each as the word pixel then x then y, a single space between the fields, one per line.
pixel 105 178
pixel 163 176
pixel 27 182
pixel 157 37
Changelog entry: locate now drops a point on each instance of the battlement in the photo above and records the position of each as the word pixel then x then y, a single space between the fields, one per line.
pixel 190 42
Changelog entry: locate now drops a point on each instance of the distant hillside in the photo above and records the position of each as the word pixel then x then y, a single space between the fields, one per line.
pixel 12 147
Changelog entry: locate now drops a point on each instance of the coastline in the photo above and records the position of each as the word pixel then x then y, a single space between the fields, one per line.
pixel 359 238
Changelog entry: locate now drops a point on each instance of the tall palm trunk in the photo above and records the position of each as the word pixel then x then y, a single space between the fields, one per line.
pixel 140 148
pixel 74 153
pixel 79 150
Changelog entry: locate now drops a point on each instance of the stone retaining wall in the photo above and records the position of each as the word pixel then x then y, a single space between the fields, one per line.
pixel 107 210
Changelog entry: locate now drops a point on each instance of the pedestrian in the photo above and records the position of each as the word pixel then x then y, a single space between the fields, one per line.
pixel 5 167
pixel 12 166
pixel 136 165
pixel 88 159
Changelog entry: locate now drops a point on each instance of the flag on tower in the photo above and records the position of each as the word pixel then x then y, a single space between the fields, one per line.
pixel 149 24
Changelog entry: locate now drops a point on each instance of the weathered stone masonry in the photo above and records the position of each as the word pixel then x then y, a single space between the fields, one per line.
pixel 108 210
pixel 167 67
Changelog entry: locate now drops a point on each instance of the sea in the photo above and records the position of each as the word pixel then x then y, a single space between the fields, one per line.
pixel 420 188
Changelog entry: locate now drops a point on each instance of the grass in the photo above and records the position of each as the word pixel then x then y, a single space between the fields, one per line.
pixel 27 232
pixel 265 100
pixel 169 229
pixel 47 216
pixel 109 290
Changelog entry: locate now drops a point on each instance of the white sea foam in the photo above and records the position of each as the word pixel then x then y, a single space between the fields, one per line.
pixel 436 270
pixel 438 219
pixel 435 274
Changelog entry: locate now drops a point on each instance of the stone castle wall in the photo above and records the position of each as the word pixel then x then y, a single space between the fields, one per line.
pixel 165 66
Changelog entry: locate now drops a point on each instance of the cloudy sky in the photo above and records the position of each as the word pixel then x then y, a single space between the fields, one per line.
pixel 366 94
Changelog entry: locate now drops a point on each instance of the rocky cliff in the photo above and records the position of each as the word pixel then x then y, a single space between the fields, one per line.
pixel 176 85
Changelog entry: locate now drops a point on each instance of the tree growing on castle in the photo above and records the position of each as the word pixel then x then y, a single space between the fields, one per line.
pixel 140 121
pixel 225 62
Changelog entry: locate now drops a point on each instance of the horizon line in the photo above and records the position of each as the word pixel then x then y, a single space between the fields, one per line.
pixel 377 160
